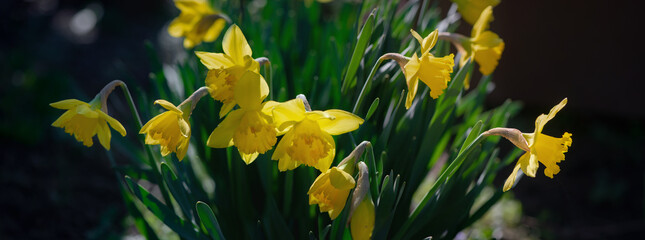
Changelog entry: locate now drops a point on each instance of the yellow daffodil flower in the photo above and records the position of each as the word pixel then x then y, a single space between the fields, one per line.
pixel 433 71
pixel 250 128
pixel 330 191
pixel 225 69
pixel 470 10
pixel 170 130
pixel 362 222
pixel 197 22
pixel 485 46
pixel 84 120
pixel 542 148
pixel 308 137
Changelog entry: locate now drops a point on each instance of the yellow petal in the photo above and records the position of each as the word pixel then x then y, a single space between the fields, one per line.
pixel 184 127
pixel 193 6
pixel 214 31
pixel 343 122
pixel 104 134
pixel 325 163
pixel 249 91
pixel 181 25
pixel 113 123
pixel 428 42
pixel 214 60
pixel 268 106
pixel 226 107
pixel 340 179
pixel 249 158
pixel 67 104
pixel 319 182
pixel 411 72
pixel 285 114
pixel 222 136
pixel 182 149
pixel 543 119
pixel 235 45
pixel 529 164
pixel 483 21
pixel 86 111
pixel 168 106
pixel 510 181
pixel 64 118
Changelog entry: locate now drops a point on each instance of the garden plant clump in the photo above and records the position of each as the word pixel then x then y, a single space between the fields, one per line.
pixel 319 119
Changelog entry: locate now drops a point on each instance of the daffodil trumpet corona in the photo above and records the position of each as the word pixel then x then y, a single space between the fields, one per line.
pixel 84 120
pixel 171 129
pixel 539 147
pixel 308 134
pixel 251 127
pixel 198 22
pixel 225 69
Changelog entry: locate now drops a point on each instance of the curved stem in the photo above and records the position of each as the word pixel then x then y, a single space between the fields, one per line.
pixel 193 99
pixel 400 59
pixel 456 39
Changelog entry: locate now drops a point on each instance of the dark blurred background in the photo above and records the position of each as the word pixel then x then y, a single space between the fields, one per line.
pixel 588 51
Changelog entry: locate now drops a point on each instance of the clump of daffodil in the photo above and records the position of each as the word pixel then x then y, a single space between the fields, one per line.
pixel 433 71
pixel 249 128
pixel 308 137
pixel 470 10
pixel 484 46
pixel 171 129
pixel 540 148
pixel 84 120
pixel 331 188
pixel 225 69
pixel 197 22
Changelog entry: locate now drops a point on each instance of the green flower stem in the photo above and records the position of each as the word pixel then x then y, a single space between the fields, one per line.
pixel 153 160
pixel 267 73
pixel 450 170
pixel 401 60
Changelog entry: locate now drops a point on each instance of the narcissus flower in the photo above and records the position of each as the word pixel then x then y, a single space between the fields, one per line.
pixel 330 191
pixel 471 9
pixel 308 138
pixel 433 71
pixel 84 120
pixel 170 130
pixel 225 69
pixel 542 148
pixel 250 128
pixel 197 22
pixel 485 46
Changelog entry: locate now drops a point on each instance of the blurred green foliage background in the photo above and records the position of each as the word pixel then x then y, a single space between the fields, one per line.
pixel 53 187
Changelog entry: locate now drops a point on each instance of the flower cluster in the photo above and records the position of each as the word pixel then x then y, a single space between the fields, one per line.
pixel 293 133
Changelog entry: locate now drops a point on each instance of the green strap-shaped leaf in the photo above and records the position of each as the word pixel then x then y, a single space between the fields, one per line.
pixel 176 189
pixel 165 214
pixel 209 221
pixel 372 109
pixel 359 50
